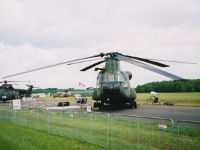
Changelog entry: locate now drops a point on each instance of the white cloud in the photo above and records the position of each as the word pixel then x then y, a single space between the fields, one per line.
pixel 36 33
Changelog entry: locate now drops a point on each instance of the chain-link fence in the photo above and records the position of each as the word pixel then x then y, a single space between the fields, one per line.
pixel 88 127
pixel 109 132
pixel 188 130
pixel 141 132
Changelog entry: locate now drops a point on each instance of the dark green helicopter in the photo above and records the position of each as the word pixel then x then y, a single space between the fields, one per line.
pixel 113 84
pixel 8 92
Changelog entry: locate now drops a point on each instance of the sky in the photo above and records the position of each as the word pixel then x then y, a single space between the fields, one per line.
pixel 35 33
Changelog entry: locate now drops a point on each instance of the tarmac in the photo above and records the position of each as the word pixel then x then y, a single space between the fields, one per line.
pixel 171 112
pixel 162 111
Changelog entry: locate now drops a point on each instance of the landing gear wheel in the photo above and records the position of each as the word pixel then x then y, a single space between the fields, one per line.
pixel 135 104
pixel 131 104
pixel 96 104
pixel 101 104
pixel 4 101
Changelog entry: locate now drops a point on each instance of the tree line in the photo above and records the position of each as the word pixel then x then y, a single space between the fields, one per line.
pixel 85 92
pixel 170 86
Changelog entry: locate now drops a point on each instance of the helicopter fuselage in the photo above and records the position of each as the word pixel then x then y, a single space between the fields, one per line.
pixel 113 85
pixel 7 92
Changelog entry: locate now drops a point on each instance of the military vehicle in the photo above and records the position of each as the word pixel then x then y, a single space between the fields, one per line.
pixel 8 92
pixel 60 94
pixel 80 99
pixel 113 84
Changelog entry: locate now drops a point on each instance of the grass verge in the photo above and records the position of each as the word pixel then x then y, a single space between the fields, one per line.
pixel 91 128
pixel 180 99
pixel 19 138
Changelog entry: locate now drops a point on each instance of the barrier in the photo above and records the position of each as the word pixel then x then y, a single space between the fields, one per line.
pixel 188 130
pixel 141 132
pixel 117 131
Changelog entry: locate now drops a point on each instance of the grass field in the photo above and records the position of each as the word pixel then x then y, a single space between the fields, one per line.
pixel 180 99
pixel 93 128
pixel 19 138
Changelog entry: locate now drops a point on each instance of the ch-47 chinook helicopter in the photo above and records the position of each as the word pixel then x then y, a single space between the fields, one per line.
pixel 113 84
pixel 8 92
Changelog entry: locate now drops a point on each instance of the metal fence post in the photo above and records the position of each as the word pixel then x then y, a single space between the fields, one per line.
pixel 76 130
pixel 20 120
pixel 0 113
pixel 172 134
pixel 48 120
pixel 61 115
pixel 138 133
pixel 178 136
pixel 26 121
pixel 11 115
pixel 6 113
pixel 111 118
pixel 91 118
pixel 37 118
pixel 108 127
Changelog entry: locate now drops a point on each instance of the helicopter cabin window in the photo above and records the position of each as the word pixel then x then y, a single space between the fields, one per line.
pixel 121 78
pixel 111 77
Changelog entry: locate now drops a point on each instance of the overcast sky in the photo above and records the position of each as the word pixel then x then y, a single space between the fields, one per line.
pixel 35 33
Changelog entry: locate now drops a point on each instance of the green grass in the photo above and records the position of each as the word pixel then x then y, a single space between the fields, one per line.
pixel 93 129
pixel 19 138
pixel 180 99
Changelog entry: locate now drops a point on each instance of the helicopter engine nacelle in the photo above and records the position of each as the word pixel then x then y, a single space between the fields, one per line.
pixel 129 75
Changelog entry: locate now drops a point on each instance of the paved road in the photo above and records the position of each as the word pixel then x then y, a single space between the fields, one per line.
pixel 172 112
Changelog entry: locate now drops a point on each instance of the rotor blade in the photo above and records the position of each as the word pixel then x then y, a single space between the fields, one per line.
pixel 182 62
pixel 148 67
pixel 95 64
pixel 32 70
pixel 21 81
pixel 15 81
pixel 146 60
pixel 82 61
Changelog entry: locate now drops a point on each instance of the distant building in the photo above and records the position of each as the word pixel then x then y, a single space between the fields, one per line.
pixel 38 95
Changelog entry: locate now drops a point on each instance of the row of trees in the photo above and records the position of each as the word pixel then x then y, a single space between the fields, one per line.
pixel 86 92
pixel 163 86
pixel 48 90
pixel 170 86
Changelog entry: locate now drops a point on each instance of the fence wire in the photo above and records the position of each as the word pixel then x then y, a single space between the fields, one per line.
pixel 109 132
pixel 188 130
pixel 141 132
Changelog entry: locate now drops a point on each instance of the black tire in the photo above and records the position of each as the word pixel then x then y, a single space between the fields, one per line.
pixel 101 104
pixel 96 104
pixel 131 104
pixel 4 101
pixel 135 104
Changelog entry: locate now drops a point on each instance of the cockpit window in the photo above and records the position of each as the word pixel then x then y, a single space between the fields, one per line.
pixel 111 78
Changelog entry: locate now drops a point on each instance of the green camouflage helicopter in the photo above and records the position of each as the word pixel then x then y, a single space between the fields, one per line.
pixel 113 84
pixel 7 92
